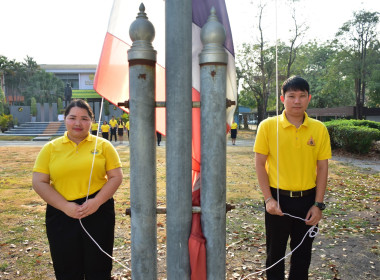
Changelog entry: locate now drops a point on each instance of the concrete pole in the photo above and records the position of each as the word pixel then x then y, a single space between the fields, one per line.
pixel 213 62
pixel 178 136
pixel 142 58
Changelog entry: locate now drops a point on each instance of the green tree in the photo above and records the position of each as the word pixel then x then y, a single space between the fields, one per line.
pixel 33 107
pixel 323 66
pixel 373 93
pixel 357 37
pixel 106 108
pixel 3 68
pixel 44 87
pixel 2 101
pixel 13 79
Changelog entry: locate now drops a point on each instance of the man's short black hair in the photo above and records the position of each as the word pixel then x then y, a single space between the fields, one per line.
pixel 295 83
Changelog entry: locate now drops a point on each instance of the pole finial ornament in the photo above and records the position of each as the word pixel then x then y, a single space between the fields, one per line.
pixel 142 34
pixel 213 36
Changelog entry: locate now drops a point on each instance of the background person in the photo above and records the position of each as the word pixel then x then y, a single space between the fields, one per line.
pixel 127 127
pixel 304 150
pixel 120 130
pixel 113 125
pixel 158 138
pixel 94 128
pixel 61 176
pixel 105 128
pixel 234 127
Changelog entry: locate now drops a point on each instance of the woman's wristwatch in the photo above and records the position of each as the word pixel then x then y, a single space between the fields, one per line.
pixel 320 205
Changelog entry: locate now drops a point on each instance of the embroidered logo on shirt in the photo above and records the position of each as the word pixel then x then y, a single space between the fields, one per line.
pixel 95 152
pixel 311 141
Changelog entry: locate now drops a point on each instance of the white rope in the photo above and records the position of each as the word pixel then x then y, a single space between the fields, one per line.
pixel 88 192
pixel 314 230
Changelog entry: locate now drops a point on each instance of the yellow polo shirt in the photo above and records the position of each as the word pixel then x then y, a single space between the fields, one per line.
pixel 105 128
pixel 94 126
pixel 127 125
pixel 234 126
pixel 69 165
pixel 299 151
pixel 113 123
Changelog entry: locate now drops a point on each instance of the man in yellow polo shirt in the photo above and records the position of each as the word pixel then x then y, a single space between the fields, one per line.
pixel 302 155
pixel 113 124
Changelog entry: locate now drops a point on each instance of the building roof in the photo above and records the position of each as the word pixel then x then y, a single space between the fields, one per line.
pixel 69 68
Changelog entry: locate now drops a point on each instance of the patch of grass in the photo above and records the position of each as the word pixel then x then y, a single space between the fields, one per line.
pixel 16 138
pixel 3 266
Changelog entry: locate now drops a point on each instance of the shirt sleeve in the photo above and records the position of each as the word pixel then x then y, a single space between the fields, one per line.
pixel 261 143
pixel 112 157
pixel 41 164
pixel 325 149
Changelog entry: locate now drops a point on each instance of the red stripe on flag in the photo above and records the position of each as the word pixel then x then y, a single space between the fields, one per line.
pixel 112 77
pixel 112 74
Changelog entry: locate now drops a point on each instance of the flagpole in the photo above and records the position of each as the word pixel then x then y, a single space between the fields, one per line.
pixel 178 63
pixel 213 68
pixel 142 61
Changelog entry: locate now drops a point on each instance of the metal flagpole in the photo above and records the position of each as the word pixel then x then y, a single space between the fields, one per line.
pixel 178 21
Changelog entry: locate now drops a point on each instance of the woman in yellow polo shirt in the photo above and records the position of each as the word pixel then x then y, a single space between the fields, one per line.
pixel 61 176
pixel 105 130
pixel 234 127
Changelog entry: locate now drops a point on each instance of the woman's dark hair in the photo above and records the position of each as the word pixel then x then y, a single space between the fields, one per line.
pixel 81 104
pixel 295 83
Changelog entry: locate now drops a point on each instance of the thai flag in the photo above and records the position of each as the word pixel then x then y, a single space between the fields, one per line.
pixel 112 82
pixel 111 78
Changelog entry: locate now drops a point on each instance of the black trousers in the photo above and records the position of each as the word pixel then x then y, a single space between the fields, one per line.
pixel 279 229
pixel 113 132
pixel 75 256
pixel 105 135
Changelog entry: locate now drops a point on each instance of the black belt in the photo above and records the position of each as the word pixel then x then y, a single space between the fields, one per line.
pixel 295 193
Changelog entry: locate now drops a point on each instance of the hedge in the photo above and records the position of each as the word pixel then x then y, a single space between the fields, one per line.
pixel 355 136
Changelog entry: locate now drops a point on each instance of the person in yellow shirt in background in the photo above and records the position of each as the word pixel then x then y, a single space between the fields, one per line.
pixel 113 124
pixel 302 155
pixel 61 177
pixel 94 128
pixel 120 130
pixel 105 128
pixel 127 127
pixel 234 127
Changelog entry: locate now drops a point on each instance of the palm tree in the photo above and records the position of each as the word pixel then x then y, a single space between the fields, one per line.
pixel 3 68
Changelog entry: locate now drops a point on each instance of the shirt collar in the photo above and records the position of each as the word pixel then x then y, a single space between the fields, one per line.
pixel 285 123
pixel 66 139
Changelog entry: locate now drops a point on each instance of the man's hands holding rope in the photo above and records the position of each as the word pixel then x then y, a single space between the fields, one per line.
pixel 313 216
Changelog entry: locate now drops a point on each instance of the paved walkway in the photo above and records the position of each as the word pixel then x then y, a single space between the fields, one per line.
pixel 362 163
pixel 241 143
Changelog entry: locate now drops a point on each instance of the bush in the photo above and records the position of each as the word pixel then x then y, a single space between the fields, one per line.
pixel 59 105
pixel 6 122
pixel 125 117
pixel 354 136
